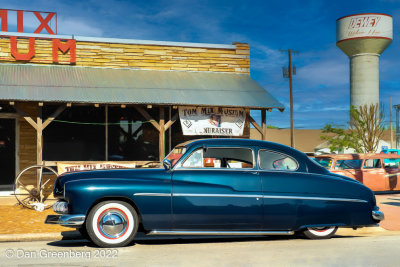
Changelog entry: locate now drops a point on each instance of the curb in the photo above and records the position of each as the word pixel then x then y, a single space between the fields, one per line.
pixel 67 235
pixel 366 231
pixel 75 235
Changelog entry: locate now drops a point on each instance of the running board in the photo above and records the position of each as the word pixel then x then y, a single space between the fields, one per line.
pixel 162 232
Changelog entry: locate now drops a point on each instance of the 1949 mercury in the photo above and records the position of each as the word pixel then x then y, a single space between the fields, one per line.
pixel 214 187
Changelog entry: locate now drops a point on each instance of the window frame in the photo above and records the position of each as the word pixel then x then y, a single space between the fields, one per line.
pixel 181 167
pixel 342 160
pixel 369 168
pixel 276 152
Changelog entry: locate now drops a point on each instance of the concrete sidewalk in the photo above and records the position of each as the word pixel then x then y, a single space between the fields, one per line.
pixel 22 224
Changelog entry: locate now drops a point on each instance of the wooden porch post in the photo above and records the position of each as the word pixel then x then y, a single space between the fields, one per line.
pixel 39 136
pixel 162 134
pixel 161 127
pixel 264 124
pixel 39 126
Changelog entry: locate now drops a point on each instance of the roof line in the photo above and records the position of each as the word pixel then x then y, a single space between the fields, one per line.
pixel 142 103
pixel 118 41
pixel 122 68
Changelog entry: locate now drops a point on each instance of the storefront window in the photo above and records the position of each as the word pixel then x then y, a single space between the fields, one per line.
pixel 78 134
pixel 130 137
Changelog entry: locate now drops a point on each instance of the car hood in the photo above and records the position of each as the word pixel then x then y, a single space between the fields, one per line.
pixel 134 174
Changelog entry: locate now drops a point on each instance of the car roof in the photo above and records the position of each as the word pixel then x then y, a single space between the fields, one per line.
pixel 237 142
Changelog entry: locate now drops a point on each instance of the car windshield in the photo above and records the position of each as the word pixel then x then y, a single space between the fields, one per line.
pixel 324 162
pixel 176 154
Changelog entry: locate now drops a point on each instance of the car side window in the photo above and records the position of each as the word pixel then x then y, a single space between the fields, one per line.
pixel 231 158
pixel 195 160
pixel 372 163
pixel 220 158
pixel 348 164
pixel 270 160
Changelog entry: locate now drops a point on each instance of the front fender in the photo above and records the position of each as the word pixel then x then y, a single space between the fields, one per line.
pixel 155 210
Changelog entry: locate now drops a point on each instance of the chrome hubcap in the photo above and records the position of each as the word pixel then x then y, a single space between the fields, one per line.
pixel 112 224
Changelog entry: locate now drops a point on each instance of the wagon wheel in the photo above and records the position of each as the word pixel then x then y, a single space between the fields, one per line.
pixel 35 196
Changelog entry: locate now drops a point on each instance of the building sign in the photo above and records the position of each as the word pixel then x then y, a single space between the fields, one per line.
pixel 39 22
pixel 87 166
pixel 370 25
pixel 212 121
pixel 45 24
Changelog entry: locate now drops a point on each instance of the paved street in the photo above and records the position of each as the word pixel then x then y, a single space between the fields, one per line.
pixel 378 250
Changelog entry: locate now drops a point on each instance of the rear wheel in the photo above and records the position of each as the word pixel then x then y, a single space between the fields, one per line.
pixel 320 232
pixel 112 224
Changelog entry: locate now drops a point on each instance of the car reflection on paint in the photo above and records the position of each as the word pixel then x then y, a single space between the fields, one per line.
pixel 214 187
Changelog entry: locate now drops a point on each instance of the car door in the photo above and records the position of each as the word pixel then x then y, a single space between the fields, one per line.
pixel 374 175
pixel 217 188
pixel 280 187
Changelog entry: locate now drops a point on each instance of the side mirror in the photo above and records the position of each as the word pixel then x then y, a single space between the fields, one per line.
pixel 167 164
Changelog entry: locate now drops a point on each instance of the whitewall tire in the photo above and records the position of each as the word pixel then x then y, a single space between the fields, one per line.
pixel 112 224
pixel 320 232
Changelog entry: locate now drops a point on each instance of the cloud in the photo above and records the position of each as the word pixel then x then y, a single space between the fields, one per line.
pixel 78 26
pixel 325 68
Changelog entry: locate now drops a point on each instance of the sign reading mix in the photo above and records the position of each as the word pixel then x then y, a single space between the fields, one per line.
pixel 212 121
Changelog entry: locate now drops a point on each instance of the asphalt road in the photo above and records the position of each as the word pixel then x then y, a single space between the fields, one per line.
pixel 260 251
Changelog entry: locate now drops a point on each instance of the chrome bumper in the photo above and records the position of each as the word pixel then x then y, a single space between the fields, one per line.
pixel 66 220
pixel 378 215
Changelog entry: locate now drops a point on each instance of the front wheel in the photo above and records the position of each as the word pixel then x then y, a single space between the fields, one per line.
pixel 320 232
pixel 112 224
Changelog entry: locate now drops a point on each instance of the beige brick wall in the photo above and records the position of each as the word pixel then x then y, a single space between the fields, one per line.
pixel 155 57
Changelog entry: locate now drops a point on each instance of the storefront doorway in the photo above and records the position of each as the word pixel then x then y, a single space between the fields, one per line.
pixel 7 154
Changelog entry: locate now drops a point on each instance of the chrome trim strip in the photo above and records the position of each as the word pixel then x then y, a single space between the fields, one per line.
pixel 153 194
pixel 66 220
pixel 273 197
pixel 319 198
pixel 216 195
pixel 162 232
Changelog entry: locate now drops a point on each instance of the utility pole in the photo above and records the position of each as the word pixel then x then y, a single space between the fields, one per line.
pixel 288 73
pixel 391 123
pixel 397 107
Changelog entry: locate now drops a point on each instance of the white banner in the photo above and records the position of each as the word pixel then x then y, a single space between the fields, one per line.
pixel 87 166
pixel 212 121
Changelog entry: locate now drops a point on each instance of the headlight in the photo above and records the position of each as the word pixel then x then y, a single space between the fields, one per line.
pixel 60 207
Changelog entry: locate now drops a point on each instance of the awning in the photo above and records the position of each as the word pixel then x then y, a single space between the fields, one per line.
pixel 72 84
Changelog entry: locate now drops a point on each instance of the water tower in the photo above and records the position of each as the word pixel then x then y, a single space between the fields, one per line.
pixel 363 37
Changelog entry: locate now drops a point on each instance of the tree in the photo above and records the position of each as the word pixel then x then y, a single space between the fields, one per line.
pixel 364 133
pixel 339 139
pixel 367 122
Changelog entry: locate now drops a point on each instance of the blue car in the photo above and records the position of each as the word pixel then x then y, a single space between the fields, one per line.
pixel 214 187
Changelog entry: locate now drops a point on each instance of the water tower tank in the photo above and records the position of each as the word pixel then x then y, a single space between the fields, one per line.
pixel 363 37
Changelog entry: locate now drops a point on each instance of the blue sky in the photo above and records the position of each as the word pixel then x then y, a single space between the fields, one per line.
pixel 321 86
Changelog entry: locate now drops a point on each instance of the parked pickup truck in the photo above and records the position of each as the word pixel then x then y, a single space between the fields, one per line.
pixel 379 172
